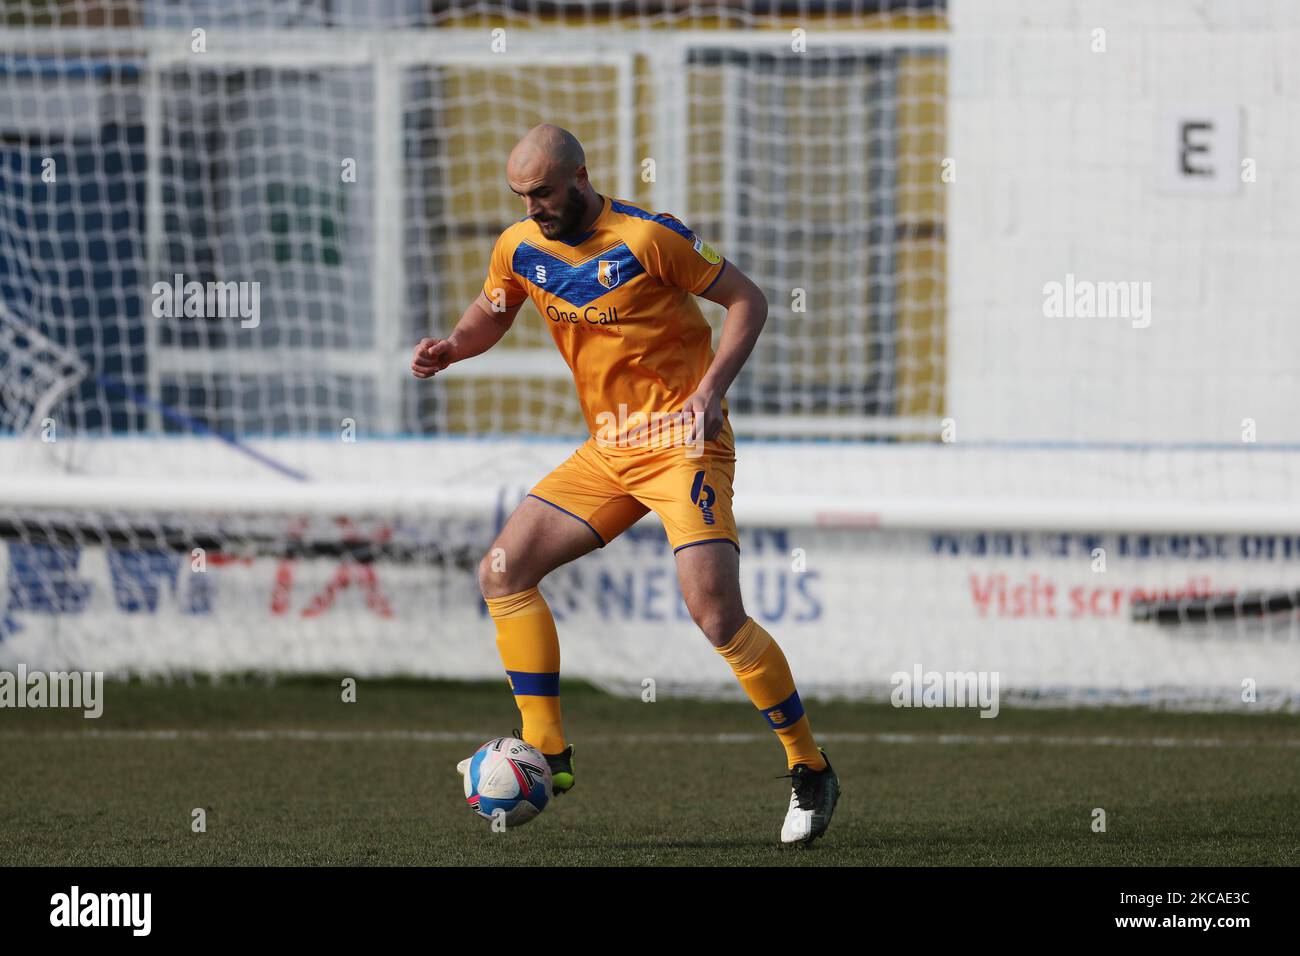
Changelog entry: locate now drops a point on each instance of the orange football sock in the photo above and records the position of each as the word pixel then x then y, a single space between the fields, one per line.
pixel 762 670
pixel 530 651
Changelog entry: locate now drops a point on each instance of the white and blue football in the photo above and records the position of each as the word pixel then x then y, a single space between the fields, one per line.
pixel 507 776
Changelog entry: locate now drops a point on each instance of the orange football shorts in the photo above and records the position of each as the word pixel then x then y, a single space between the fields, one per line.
pixel 609 490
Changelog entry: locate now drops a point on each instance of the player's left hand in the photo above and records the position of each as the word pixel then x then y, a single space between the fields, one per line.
pixel 704 406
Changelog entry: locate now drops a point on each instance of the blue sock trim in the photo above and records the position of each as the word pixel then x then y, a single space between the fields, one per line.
pixel 785 713
pixel 529 684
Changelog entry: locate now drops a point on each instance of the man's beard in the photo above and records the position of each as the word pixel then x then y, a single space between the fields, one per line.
pixel 565 225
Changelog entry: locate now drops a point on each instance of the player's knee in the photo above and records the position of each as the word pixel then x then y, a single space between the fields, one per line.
pixel 496 578
pixel 718 620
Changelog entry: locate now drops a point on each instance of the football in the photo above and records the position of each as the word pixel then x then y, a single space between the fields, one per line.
pixel 509 777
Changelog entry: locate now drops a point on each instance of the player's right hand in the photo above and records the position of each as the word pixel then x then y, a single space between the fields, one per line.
pixel 431 357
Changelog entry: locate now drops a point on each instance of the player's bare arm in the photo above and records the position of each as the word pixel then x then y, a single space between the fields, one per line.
pixel 480 327
pixel 746 314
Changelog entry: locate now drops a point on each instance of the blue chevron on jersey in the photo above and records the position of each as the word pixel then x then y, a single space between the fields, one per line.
pixel 578 284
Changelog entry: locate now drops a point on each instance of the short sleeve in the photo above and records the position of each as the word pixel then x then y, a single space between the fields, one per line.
pixel 678 257
pixel 501 274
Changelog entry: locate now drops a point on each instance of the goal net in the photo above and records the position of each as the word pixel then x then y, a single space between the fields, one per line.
pixel 1022 404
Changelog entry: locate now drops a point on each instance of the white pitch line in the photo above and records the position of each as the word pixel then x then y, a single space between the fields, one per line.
pixel 458 736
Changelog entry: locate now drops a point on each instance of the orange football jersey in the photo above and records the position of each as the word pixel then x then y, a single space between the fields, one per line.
pixel 619 301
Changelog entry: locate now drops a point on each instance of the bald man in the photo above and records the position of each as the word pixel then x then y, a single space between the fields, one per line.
pixel 615 284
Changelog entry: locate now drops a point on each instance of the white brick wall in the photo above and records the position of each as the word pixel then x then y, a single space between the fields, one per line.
pixel 1056 151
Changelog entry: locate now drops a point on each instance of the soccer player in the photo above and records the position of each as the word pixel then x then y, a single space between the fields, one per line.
pixel 615 284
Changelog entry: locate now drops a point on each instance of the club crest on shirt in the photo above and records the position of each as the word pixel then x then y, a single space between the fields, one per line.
pixel 706 251
pixel 607 272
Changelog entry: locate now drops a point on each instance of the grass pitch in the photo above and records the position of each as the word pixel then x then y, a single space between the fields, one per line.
pixel 290 775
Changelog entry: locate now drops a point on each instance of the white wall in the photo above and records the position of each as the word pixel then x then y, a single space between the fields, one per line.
pixel 1056 150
